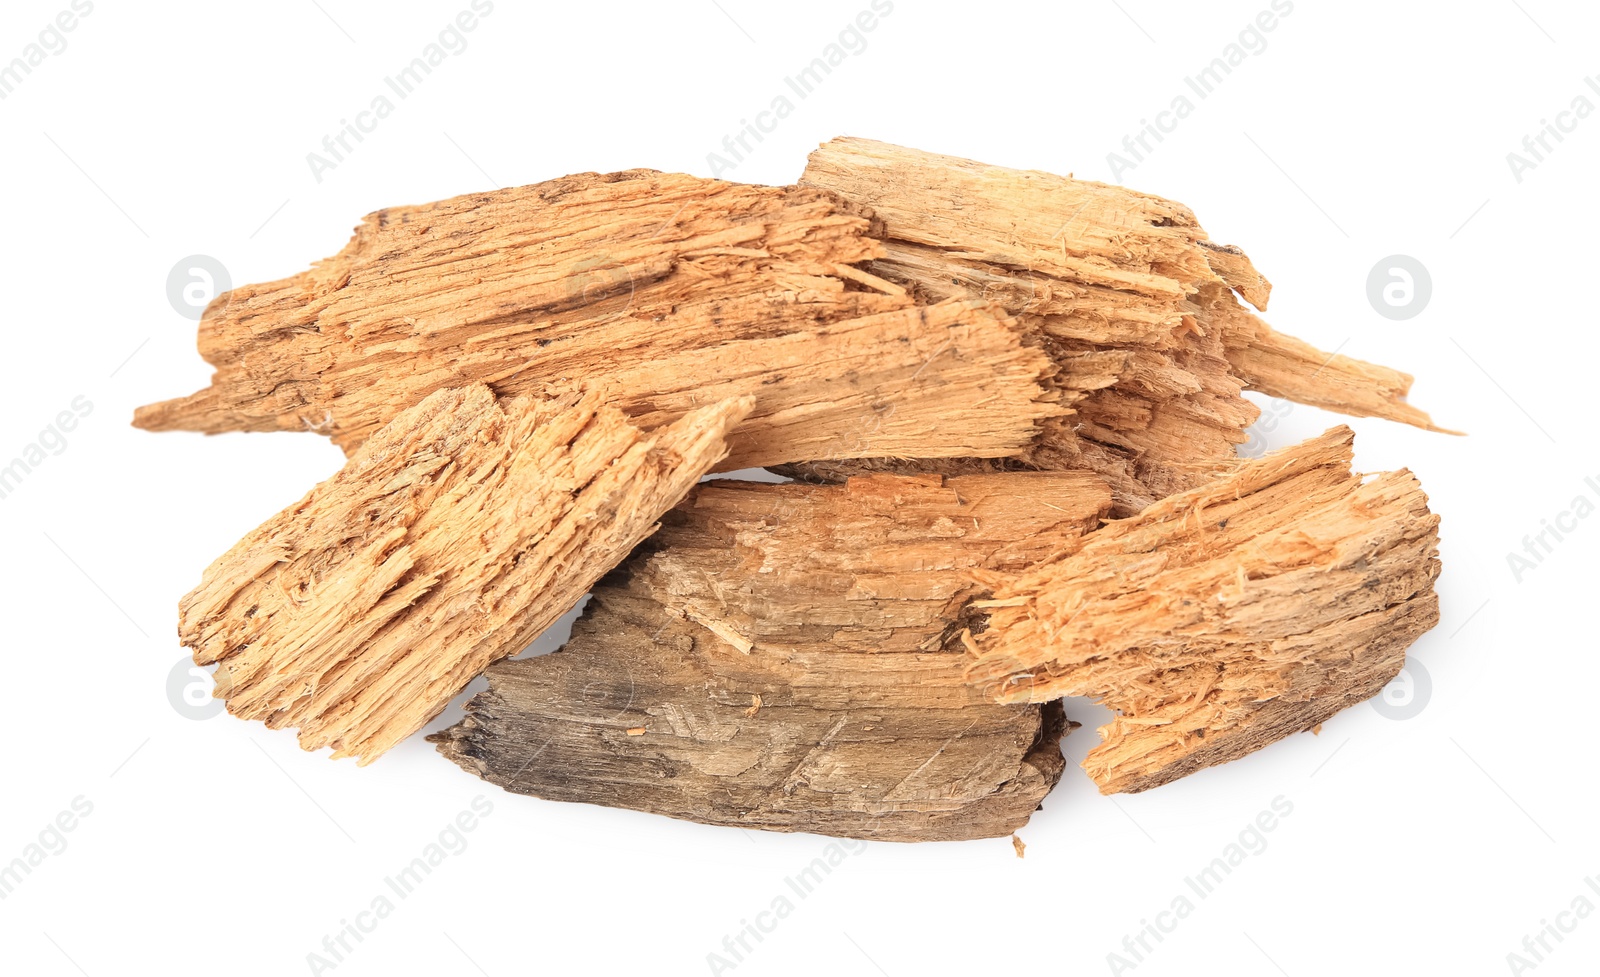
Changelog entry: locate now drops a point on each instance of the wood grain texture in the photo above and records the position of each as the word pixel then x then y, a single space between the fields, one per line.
pixel 1282 366
pixel 675 290
pixel 1122 289
pixel 452 538
pixel 1225 618
pixel 878 565
pixel 787 657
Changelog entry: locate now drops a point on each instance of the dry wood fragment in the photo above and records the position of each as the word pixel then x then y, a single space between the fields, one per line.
pixel 1283 366
pixel 1123 290
pixel 451 539
pixel 675 290
pixel 1225 618
pixel 792 652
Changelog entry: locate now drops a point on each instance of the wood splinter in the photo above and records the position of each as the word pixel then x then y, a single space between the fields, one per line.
pixel 1223 619
pixel 673 290
pixel 452 538
pixel 1123 290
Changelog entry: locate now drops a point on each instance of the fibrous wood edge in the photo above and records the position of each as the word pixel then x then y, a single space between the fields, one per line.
pixel 784 657
pixel 1282 366
pixel 452 538
pixel 876 565
pixel 954 375
pixel 665 286
pixel 1225 618
pixel 1124 291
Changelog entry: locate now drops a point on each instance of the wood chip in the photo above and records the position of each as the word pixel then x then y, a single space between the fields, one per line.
pixel 1223 619
pixel 455 536
pixel 674 290
pixel 1122 289
pixel 1013 400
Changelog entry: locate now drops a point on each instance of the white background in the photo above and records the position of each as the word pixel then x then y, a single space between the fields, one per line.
pixel 1364 129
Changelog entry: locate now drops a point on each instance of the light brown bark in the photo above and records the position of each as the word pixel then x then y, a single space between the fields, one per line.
pixel 452 538
pixel 675 290
pixel 1123 290
pixel 520 379
pixel 1222 619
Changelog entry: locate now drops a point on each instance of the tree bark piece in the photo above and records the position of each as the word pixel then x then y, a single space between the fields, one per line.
pixel 457 534
pixel 878 565
pixel 667 286
pixel 787 657
pixel 1223 619
pixel 1124 291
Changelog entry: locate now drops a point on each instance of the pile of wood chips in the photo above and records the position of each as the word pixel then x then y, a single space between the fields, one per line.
pixel 1009 404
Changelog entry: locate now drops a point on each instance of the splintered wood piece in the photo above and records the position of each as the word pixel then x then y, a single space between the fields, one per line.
pixel 666 286
pixel 788 657
pixel 954 375
pixel 1223 619
pixel 1283 366
pixel 1123 290
pixel 456 535
pixel 1108 264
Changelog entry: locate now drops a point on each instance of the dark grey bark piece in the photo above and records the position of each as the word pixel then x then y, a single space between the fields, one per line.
pixel 788 657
